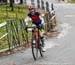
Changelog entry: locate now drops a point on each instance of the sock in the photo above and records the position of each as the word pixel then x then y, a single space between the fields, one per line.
pixel 42 40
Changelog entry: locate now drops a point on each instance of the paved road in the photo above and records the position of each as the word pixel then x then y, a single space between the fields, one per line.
pixel 60 50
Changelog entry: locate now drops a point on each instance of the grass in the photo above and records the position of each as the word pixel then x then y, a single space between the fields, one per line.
pixel 71 1
pixel 6 15
pixel 12 14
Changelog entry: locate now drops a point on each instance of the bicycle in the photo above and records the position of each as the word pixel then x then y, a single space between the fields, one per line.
pixel 36 44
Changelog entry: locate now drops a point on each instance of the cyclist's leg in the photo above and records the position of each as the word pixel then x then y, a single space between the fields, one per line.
pixel 43 44
pixel 38 23
pixel 42 38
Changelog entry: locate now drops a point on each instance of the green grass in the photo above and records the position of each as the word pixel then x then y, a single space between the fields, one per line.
pixel 3 43
pixel 5 16
pixel 17 13
pixel 71 1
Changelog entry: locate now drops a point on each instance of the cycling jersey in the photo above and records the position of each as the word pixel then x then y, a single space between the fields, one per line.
pixel 35 18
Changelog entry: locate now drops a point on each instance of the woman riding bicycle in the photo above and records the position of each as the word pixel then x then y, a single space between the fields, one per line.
pixel 37 20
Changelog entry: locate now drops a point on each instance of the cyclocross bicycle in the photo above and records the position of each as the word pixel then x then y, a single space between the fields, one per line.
pixel 36 43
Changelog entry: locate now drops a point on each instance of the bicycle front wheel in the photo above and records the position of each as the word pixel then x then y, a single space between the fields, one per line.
pixel 34 50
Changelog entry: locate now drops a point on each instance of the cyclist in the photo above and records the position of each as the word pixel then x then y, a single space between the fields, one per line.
pixel 37 20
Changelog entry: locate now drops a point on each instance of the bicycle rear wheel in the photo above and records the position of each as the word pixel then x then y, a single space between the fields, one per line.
pixel 40 49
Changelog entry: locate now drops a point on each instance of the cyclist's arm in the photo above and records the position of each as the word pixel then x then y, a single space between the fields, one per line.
pixel 42 19
pixel 27 19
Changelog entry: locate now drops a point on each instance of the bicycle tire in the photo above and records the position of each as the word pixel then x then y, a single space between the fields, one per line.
pixel 34 51
pixel 41 53
pixel 40 50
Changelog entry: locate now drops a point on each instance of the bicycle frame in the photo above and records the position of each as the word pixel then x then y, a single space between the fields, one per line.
pixel 36 36
pixel 36 42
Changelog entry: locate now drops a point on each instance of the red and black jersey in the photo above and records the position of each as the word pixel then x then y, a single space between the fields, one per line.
pixel 34 17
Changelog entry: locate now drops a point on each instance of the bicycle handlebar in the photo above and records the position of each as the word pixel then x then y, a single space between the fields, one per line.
pixel 31 27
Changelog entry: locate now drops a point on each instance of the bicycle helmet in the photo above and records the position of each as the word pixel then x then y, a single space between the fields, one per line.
pixel 31 7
